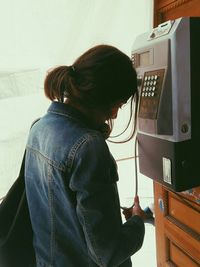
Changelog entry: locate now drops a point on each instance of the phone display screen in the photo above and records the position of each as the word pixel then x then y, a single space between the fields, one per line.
pixel 144 59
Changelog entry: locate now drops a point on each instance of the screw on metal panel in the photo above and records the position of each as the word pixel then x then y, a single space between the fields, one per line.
pixel 184 128
pixel 185 164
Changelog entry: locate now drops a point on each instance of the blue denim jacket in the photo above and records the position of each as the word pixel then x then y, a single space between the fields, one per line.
pixel 72 195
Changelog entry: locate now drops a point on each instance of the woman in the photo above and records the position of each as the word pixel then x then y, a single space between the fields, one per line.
pixel 70 174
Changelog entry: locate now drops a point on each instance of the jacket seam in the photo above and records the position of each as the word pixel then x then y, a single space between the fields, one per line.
pixel 93 241
pixel 75 147
pixel 52 219
pixel 61 167
pixel 71 156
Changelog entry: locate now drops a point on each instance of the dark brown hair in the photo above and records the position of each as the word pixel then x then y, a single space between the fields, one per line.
pixel 98 79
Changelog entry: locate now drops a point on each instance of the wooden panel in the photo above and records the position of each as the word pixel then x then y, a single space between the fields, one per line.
pixel 179 257
pixel 183 240
pixel 176 221
pixel 183 213
pixel 160 196
pixel 191 8
pixel 166 10
pixel 164 3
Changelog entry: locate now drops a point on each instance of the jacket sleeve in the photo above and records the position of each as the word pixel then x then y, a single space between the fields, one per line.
pixel 93 178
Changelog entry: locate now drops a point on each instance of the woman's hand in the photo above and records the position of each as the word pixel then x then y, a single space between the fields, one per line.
pixel 135 210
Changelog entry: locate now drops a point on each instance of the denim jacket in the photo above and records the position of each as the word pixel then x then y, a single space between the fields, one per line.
pixel 73 200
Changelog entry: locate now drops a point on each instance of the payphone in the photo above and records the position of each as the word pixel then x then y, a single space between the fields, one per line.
pixel 167 61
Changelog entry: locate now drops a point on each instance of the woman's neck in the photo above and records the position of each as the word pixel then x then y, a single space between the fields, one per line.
pixel 96 118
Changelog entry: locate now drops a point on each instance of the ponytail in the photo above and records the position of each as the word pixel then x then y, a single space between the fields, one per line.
pixel 57 81
pixel 97 80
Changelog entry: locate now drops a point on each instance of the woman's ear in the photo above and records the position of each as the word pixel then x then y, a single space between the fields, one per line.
pixel 114 110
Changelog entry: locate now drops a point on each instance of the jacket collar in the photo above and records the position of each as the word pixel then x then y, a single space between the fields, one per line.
pixel 69 111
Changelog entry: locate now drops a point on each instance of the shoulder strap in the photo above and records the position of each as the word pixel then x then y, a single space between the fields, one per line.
pixel 21 172
pixel 23 160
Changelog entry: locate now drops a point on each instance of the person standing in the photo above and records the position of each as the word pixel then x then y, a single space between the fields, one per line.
pixel 70 174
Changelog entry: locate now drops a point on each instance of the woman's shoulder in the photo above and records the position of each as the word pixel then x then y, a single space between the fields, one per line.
pixel 93 138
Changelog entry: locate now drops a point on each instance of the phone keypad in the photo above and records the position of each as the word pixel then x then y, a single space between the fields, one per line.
pixel 149 86
pixel 150 93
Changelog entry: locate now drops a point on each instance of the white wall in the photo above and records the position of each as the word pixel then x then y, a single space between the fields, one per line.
pixel 39 34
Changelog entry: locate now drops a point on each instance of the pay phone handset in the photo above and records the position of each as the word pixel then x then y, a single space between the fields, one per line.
pixel 166 60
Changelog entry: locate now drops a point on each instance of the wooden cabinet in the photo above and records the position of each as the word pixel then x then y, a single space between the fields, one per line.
pixel 177 228
pixel 177 217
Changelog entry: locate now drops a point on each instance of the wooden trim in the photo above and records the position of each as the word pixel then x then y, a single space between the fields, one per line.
pixel 169 264
pixel 182 239
pixel 159 14
pixel 161 210
pixel 173 5
pixel 180 258
pixel 188 202
pixel 184 227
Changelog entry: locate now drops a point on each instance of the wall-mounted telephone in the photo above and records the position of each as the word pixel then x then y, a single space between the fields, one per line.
pixel 167 59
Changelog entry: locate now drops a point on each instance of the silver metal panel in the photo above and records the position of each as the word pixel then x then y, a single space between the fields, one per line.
pixel 171 51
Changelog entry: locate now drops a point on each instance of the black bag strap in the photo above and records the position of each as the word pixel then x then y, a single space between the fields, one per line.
pixel 16 234
pixel 21 172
